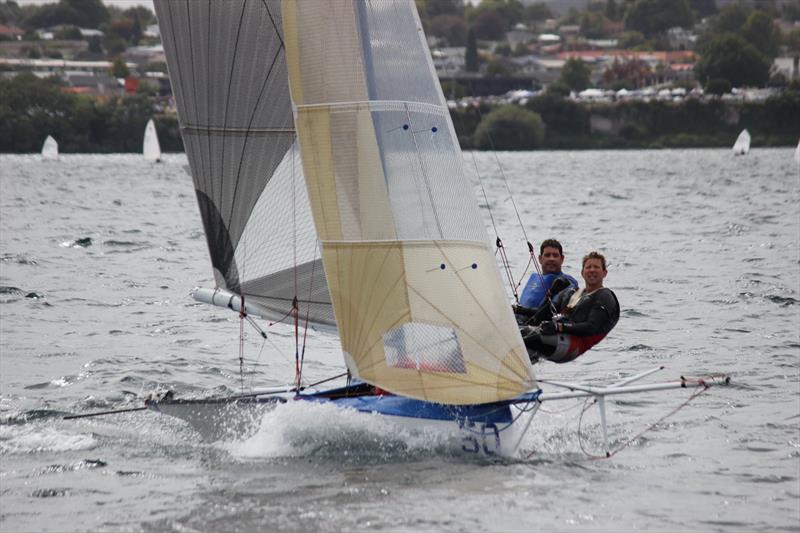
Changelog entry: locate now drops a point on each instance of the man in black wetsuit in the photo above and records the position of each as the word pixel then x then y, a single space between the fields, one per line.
pixel 583 317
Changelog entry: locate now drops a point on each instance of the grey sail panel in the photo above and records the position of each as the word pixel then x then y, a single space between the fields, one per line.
pixel 227 67
pixel 275 293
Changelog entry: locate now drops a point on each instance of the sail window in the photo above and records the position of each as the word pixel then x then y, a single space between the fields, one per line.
pixel 427 347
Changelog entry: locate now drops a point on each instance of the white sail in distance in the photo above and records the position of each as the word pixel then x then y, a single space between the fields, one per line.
pixel 151 147
pixel 742 144
pixel 50 148
pixel 418 298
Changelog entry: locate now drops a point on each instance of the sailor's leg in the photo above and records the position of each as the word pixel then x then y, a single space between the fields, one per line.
pixel 538 345
pixel 566 348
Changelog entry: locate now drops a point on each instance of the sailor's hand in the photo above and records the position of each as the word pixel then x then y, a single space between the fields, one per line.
pixel 548 328
pixel 559 285
pixel 522 310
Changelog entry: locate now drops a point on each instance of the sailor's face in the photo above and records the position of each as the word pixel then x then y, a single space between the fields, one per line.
pixel 551 260
pixel 593 272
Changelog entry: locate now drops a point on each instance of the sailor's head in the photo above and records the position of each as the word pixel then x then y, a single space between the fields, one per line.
pixel 594 269
pixel 551 256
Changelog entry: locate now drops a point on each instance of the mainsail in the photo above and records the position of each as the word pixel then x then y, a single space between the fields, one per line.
pixel 50 148
pixel 151 149
pixel 417 295
pixel 411 276
pixel 227 67
pixel 742 144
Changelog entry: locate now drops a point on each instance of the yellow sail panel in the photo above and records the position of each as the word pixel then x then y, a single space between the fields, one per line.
pixel 320 34
pixel 346 185
pixel 426 319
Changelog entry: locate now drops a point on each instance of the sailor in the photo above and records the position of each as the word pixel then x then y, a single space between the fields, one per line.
pixel 544 285
pixel 583 317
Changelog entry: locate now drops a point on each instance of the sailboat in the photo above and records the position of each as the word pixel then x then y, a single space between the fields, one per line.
pixel 742 144
pixel 50 148
pixel 332 191
pixel 151 150
pixel 797 153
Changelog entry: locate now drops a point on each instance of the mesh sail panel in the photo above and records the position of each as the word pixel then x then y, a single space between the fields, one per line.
pixel 417 295
pixel 228 71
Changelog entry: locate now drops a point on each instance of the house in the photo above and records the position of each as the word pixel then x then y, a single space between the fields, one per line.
pixel 449 59
pixel 681 39
pixel 97 85
pixel 544 71
pixel 788 66
pixel 519 36
pixel 11 33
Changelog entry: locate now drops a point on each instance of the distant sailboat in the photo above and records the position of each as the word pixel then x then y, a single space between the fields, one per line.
pixel 152 150
pixel 797 153
pixel 742 144
pixel 50 148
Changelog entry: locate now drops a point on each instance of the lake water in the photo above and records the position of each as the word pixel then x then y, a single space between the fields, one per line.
pixel 98 254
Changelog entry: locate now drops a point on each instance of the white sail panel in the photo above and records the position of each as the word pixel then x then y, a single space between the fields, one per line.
pixel 151 149
pixel 228 72
pixel 417 295
pixel 742 144
pixel 50 148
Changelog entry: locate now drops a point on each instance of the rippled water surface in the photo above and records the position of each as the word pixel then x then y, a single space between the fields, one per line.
pixel 97 257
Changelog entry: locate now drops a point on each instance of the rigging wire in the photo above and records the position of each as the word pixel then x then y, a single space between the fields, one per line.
pixel 531 252
pixel 498 241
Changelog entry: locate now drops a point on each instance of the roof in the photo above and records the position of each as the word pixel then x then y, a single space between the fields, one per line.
pixel 11 30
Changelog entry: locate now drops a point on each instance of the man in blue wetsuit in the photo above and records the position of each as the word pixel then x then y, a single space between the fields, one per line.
pixel 551 257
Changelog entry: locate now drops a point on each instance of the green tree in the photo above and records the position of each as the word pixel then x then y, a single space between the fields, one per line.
pixel 453 28
pixel 537 12
pixel 703 8
pixel 119 69
pixel 510 127
pixel 612 11
pixel 730 57
pixel 30 109
pixel 657 16
pixel 69 33
pixel 561 115
pixel 91 13
pixel 730 19
pixel 761 32
pixel 631 39
pixel 471 54
pixel 593 25
pixel 792 42
pixel 575 74
pixel 432 8
pixel 114 44
pixel 10 13
pixel 489 25
pixel 95 44
pixel 495 69
pixel 718 86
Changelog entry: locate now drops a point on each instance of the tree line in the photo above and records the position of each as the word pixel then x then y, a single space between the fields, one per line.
pixel 32 108
pixel 551 121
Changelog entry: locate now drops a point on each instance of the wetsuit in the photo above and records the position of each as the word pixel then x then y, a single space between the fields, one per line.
pixel 585 320
pixel 535 290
